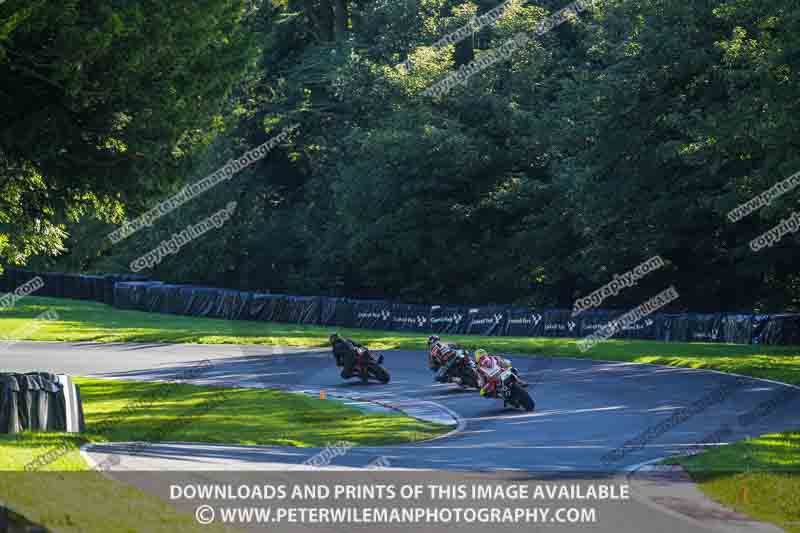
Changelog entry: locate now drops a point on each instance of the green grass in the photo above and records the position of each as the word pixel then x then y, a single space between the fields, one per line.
pixel 118 411
pixel 64 496
pixel 88 502
pixel 759 477
pixel 89 321
pixel 772 493
pixel 17 450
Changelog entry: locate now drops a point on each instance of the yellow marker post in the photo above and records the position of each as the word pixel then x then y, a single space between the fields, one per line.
pixel 744 496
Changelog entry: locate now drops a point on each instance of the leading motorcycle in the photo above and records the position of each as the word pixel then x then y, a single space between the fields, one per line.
pixel 511 389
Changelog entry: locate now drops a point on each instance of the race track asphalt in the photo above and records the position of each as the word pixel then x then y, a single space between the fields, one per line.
pixel 584 410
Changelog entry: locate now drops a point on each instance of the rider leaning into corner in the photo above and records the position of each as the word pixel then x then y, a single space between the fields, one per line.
pixel 345 351
pixel 441 356
pixel 488 367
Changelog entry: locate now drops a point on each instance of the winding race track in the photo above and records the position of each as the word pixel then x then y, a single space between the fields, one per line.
pixel 584 410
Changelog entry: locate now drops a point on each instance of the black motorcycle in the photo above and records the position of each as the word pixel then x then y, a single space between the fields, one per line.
pixel 367 366
pixel 463 371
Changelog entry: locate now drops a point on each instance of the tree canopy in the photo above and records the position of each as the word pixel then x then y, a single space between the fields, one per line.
pixel 627 132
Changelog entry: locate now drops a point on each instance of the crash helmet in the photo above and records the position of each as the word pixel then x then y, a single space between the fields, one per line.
pixel 334 337
pixel 480 354
pixel 432 340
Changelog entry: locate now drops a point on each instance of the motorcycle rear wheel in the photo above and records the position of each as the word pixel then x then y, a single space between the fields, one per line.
pixel 521 397
pixel 380 374
pixel 469 380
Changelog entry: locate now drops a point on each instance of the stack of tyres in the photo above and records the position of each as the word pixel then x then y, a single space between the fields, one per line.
pixel 39 401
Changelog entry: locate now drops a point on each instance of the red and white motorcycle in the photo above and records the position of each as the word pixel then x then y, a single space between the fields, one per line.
pixel 509 387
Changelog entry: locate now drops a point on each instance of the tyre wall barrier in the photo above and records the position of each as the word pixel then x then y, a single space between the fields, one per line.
pixel 99 288
pixel 38 401
pixel 135 293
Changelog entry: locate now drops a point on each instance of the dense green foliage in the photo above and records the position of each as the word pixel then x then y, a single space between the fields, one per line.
pixel 101 104
pixel 629 131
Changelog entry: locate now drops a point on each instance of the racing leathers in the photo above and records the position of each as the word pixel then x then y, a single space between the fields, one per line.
pixel 488 368
pixel 346 352
pixel 440 358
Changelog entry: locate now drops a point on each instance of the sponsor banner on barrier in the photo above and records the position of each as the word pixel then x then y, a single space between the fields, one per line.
pixel 448 319
pixel 410 317
pixel 643 329
pixel 559 324
pixel 591 321
pixel 486 320
pixel 524 322
pixel 131 292
pixel 373 314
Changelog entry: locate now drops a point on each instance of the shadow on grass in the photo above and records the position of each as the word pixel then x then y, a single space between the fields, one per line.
pixel 759 477
pixel 132 411
pixel 774 452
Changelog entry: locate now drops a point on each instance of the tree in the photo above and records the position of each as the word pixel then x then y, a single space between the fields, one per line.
pixel 103 102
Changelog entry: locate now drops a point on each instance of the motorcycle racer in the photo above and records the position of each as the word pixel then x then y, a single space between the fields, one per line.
pixel 490 366
pixel 345 351
pixel 441 357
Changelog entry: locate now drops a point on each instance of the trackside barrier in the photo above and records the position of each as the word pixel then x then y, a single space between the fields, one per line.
pixel 136 293
pixel 39 401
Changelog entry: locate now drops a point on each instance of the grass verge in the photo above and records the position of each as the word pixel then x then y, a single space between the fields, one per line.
pixel 759 477
pixel 88 502
pixel 65 496
pixel 89 321
pixel 119 411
